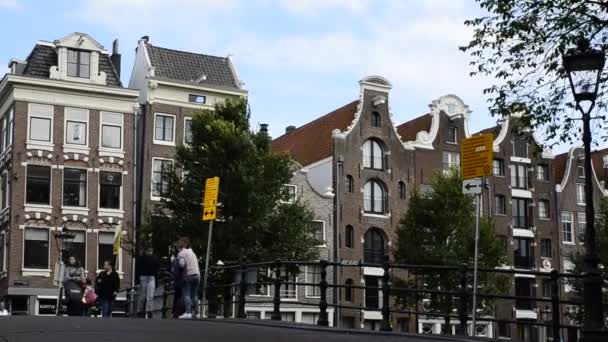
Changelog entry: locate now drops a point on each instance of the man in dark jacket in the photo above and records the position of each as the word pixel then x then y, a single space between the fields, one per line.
pixel 106 287
pixel 147 267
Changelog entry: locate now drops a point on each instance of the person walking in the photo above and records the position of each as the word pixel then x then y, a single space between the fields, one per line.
pixel 147 267
pixel 192 277
pixel 106 287
pixel 178 281
pixel 73 281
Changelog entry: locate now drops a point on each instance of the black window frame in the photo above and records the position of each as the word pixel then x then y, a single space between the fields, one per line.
pixel 74 182
pixel 34 196
pixel 349 236
pixel 500 202
pixel 110 187
pixel 374 248
pixel 348 290
pixel 164 117
pixel 546 248
pixel 165 177
pixel 376 119
pixel 194 98
pixel 517 149
pixel 402 190
pixel 451 133
pixel 372 157
pixel 350 184
pixel 523 253
pixel 498 164
pixel 372 197
pixel 372 292
pixel 523 288
pixel 519 176
pixel 29 245
pixel 79 64
pixel 520 220
pixel 188 132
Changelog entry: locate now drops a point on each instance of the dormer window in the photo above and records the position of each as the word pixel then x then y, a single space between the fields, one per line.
pixel 78 63
pixel 197 99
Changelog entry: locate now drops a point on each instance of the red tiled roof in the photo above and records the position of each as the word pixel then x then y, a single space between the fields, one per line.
pixel 559 166
pixel 312 142
pixel 408 130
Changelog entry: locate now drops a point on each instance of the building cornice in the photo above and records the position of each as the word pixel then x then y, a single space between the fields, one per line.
pixel 155 81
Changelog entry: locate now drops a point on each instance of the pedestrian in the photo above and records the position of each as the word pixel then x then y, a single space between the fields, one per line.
pixel 89 298
pixel 73 281
pixel 178 281
pixel 147 267
pixel 106 287
pixel 3 311
pixel 192 277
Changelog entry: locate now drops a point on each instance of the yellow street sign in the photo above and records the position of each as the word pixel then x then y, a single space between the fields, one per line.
pixel 476 156
pixel 212 186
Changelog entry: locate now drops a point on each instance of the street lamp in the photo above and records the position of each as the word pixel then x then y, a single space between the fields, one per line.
pixel 584 67
pixel 63 239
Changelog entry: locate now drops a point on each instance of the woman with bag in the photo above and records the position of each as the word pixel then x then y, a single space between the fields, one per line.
pixel 73 280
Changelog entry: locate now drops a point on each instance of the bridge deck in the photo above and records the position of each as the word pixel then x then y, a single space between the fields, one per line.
pixel 68 329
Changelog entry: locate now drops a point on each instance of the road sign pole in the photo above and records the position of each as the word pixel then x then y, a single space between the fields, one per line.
pixel 205 276
pixel 477 214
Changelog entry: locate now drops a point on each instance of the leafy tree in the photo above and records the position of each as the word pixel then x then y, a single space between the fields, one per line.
pixel 520 43
pixel 431 235
pixel 578 261
pixel 252 223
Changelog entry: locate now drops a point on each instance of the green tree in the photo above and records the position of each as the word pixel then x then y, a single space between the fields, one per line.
pixel 439 229
pixel 520 44
pixel 253 222
pixel 578 260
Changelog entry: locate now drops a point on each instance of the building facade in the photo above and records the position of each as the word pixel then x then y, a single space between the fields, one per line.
pixel 66 163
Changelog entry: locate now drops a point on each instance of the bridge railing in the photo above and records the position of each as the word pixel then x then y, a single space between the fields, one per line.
pixel 231 291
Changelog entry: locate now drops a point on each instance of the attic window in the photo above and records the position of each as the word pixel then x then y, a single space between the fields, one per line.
pixel 451 108
pixel 78 63
pixel 197 99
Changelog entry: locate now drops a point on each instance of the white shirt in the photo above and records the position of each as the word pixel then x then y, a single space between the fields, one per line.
pixel 188 260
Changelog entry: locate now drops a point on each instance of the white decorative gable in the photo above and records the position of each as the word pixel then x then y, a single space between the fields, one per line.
pixel 82 42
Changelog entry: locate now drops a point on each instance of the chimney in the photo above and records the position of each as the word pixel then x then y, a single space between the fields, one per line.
pixel 264 128
pixel 115 58
pixel 290 128
pixel 145 39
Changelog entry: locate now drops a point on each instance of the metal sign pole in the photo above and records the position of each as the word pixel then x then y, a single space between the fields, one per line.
pixel 205 276
pixel 477 214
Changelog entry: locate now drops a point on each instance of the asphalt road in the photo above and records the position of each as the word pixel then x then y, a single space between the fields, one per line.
pixel 74 329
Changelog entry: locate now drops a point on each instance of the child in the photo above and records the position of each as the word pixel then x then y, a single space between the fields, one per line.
pixel 89 298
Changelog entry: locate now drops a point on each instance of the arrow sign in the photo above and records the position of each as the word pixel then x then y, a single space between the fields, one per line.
pixel 471 186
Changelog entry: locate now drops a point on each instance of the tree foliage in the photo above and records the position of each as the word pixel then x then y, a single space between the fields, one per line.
pixel 520 44
pixel 431 235
pixel 252 223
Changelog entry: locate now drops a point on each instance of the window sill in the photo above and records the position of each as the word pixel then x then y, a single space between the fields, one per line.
pixel 76 149
pixel 521 160
pixel 29 272
pixel 312 297
pixel 165 143
pixel 74 210
pixel 110 212
pixel 38 145
pixel 452 142
pixel 570 243
pixel 45 208
pixel 544 218
pixel 156 198
pixel 581 204
pixel 108 152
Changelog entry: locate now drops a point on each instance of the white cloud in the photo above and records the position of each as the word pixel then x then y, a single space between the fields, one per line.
pixel 9 3
pixel 315 6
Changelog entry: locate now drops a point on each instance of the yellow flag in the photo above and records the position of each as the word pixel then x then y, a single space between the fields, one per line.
pixel 117 240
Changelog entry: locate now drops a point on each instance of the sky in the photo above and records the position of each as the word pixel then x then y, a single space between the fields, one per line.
pixel 299 59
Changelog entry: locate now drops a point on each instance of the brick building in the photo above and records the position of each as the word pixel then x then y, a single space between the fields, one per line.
pixel 66 161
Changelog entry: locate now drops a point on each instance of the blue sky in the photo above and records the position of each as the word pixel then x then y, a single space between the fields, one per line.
pixel 299 58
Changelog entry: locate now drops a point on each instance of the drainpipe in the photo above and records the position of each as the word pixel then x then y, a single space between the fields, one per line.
pixel 135 221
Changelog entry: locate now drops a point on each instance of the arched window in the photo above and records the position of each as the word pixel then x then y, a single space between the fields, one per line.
pixel 374 200
pixel 350 184
pixel 374 248
pixel 348 290
pixel 373 155
pixel 375 119
pixel 349 236
pixel 401 190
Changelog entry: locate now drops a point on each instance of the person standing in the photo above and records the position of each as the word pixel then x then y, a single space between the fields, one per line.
pixel 3 311
pixel 178 280
pixel 192 277
pixel 106 287
pixel 147 269
pixel 73 281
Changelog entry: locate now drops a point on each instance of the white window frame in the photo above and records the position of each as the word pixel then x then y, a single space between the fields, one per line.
pixel 86 206
pixel 580 174
pixel 84 146
pixel 452 161
pixel 267 294
pixel 40 111
pixel 118 266
pixel 580 214
pixel 295 199
pixel 370 159
pixel 164 142
pixel 455 129
pixel 324 244
pixel 120 210
pixel 7 187
pixel 36 271
pixel 36 205
pixel 545 169
pixel 308 288
pixel 154 159
pixel 295 280
pixel 188 118
pixel 547 214
pixel 4 251
pixel 581 187
pixel 571 221
pixel 122 133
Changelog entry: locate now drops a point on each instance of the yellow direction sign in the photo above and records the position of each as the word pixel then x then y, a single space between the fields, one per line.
pixel 477 155
pixel 212 187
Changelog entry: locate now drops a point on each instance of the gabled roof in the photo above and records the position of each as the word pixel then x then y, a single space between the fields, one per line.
pixel 560 163
pixel 312 142
pixel 43 57
pixel 191 67
pixel 408 130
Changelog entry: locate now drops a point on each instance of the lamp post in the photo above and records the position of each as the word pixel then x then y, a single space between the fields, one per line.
pixel 584 67
pixel 63 240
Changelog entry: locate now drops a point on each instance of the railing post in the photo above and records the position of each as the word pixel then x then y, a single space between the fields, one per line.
pixel 276 312
pixel 462 307
pixel 386 310
pixel 242 291
pixel 323 319
pixel 555 305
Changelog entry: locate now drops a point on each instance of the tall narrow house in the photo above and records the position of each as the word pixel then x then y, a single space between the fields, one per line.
pixel 66 152
pixel 172 84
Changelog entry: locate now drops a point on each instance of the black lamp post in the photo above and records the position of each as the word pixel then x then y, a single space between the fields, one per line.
pixel 584 67
pixel 63 241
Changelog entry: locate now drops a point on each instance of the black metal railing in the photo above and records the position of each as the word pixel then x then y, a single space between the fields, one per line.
pixel 230 293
